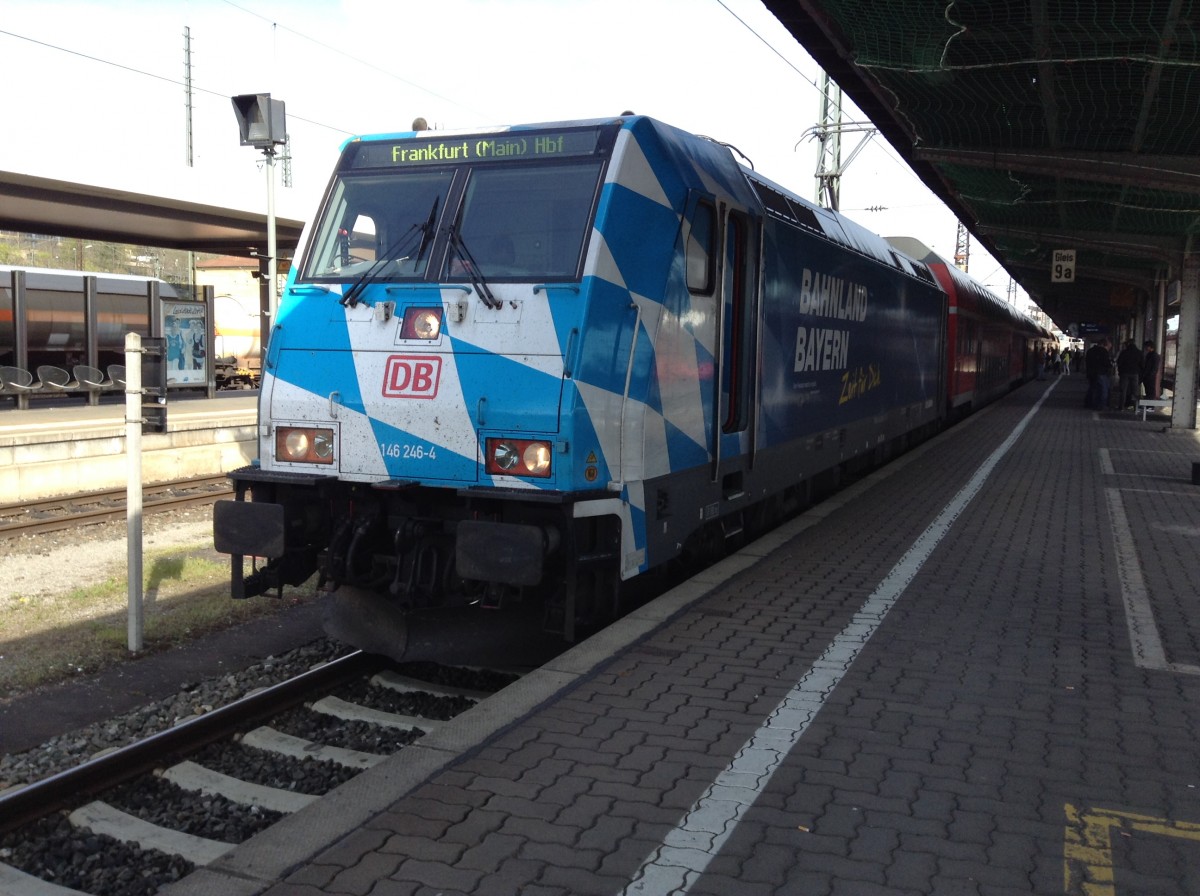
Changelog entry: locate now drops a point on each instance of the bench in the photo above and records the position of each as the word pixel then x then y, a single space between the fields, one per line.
pixel 55 379
pixel 17 381
pixel 1145 404
pixel 91 379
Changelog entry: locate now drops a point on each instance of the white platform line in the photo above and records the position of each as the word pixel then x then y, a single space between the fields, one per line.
pixel 1144 640
pixel 676 865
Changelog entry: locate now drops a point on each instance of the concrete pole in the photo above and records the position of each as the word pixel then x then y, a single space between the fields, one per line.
pixel 1158 332
pixel 133 484
pixel 272 251
pixel 1183 413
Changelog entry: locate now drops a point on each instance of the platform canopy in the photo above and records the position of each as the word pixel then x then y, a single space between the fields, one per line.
pixel 1045 127
pixel 60 208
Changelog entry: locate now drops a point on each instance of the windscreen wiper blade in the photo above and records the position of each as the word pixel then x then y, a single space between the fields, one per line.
pixel 472 269
pixel 427 229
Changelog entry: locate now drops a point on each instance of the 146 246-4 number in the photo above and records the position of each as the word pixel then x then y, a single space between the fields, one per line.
pixel 408 452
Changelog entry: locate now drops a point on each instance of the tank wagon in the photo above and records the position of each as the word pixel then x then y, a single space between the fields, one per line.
pixel 522 366
pixel 65 317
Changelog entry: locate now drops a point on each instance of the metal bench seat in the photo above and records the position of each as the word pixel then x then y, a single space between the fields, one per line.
pixel 55 379
pixel 92 379
pixel 16 381
pixel 1145 404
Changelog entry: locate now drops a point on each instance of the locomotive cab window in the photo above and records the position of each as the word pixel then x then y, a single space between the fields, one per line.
pixel 526 222
pixel 700 249
pixel 359 239
pixel 515 221
pixel 382 224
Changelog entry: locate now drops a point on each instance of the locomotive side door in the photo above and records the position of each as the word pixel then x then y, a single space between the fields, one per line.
pixel 737 338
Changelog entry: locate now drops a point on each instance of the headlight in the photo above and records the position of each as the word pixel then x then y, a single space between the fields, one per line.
pixel 537 458
pixel 422 323
pixel 518 457
pixel 304 445
pixel 504 457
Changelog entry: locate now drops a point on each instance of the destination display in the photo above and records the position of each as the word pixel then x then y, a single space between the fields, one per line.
pixel 500 147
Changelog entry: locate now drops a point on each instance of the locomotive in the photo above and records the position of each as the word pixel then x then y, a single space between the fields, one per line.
pixel 523 366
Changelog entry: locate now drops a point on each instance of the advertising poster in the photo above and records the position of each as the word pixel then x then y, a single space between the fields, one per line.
pixel 187 349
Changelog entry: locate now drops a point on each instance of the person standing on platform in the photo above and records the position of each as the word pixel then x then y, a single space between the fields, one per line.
pixel 1098 366
pixel 1066 361
pixel 1150 371
pixel 1129 372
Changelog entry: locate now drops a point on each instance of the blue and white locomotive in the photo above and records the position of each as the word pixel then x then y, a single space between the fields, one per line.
pixel 528 364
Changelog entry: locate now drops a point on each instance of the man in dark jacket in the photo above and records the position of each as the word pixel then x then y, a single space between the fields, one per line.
pixel 1129 373
pixel 1098 366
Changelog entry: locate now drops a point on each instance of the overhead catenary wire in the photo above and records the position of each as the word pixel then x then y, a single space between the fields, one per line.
pixel 356 59
pixel 194 87
pixel 90 57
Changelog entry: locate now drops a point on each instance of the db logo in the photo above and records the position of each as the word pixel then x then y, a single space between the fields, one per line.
pixel 412 376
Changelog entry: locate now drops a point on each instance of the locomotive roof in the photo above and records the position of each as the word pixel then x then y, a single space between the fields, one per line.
pixel 978 291
pixel 793 208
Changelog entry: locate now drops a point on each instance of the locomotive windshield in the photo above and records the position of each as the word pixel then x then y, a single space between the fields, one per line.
pixel 527 223
pixel 378 220
pixel 517 207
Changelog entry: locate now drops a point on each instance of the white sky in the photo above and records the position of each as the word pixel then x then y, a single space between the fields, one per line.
pixel 94 90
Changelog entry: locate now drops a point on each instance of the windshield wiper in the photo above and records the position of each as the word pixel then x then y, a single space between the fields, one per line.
pixel 427 229
pixel 472 269
pixel 350 296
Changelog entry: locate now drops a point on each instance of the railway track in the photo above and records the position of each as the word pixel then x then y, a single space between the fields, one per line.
pixel 143 816
pixel 106 505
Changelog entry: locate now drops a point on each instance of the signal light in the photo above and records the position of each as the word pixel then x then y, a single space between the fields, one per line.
pixel 262 121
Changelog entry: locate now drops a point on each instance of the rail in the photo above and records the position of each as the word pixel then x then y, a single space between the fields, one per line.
pixel 104 505
pixel 21 805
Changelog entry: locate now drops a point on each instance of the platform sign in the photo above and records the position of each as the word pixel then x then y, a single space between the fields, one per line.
pixel 1063 268
pixel 187 343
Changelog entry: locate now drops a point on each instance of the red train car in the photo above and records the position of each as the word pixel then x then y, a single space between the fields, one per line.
pixel 991 347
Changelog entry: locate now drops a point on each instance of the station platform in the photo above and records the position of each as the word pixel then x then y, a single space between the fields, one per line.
pixel 65 447
pixel 976 671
